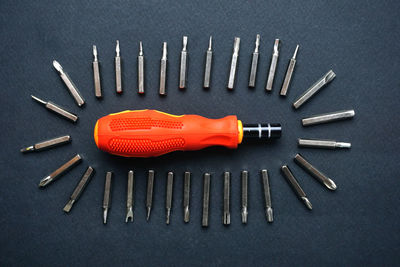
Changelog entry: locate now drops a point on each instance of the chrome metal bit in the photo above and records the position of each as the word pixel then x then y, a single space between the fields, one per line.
pixel 48 144
pixel 79 188
pixel 331 144
pixel 169 193
pixel 186 197
pixel 328 117
pixel 206 199
pixel 244 196
pixel 184 64
pixel 70 85
pixel 295 186
pixel 96 74
pixel 140 69
pixel 234 63
pixel 328 77
pixel 118 76
pixel 302 162
pixel 129 197
pixel 107 196
pixel 273 65
pixel 163 70
pixel 207 68
pixel 254 63
pixel 149 195
pixel 289 73
pixel 61 170
pixel 56 109
pixel 226 219
pixel 267 195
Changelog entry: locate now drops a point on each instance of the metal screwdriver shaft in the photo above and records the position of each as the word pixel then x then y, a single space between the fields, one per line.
pixel 140 69
pixel 96 74
pixel 267 195
pixel 226 219
pixel 206 199
pixel 129 197
pixel 234 63
pixel 289 73
pixel 118 75
pixel 273 65
pixel 254 64
pixel 61 170
pixel 207 69
pixel 295 186
pixel 48 144
pixel 244 196
pixel 314 143
pixel 149 195
pixel 169 193
pixel 56 109
pixel 107 196
pixel 184 64
pixel 186 197
pixel 163 70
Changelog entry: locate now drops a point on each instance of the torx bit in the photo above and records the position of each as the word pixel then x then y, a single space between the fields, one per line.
pixel 149 195
pixel 79 188
pixel 206 199
pixel 47 144
pixel 140 69
pixel 328 117
pixel 226 219
pixel 107 196
pixel 328 77
pixel 61 170
pixel 129 197
pixel 322 178
pixel 234 63
pixel 57 109
pixel 186 197
pixel 96 74
pixel 208 65
pixel 70 85
pixel 273 65
pixel 244 196
pixel 184 64
pixel 118 76
pixel 267 195
pixel 163 70
pixel 289 73
pixel 314 143
pixel 169 193
pixel 295 186
pixel 254 64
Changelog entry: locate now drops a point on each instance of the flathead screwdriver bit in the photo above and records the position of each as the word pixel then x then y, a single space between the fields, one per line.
pixel 163 70
pixel 273 65
pixel 107 196
pixel 289 73
pixel 208 65
pixel 226 218
pixel 295 186
pixel 234 63
pixel 245 176
pixel 140 69
pixel 314 143
pixel 206 199
pixel 61 170
pixel 186 197
pixel 96 74
pixel 184 64
pixel 118 75
pixel 169 194
pixel 149 195
pixel 56 109
pixel 47 144
pixel 254 63
pixel 267 196
pixel 130 197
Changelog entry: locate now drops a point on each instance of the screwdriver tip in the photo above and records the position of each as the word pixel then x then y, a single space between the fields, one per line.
pixel 227 218
pixel 117 48
pixel 269 214
pixel 27 149
pixel 295 52
pixel 129 215
pixel 244 215
pixel 105 213
pixel 307 202
pixel 57 66
pixel 186 216
pixel 168 215
pixel 38 100
pixel 45 181
pixel 210 43
pixel 68 206
pixel 148 213
pixel 140 48
pixel 330 184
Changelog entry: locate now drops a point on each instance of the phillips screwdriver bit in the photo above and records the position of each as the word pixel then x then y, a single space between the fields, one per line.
pixel 169 193
pixel 118 76
pixel 96 74
pixel 273 65
pixel 327 78
pixel 234 63
pixel 322 178
pixel 254 64
pixel 184 64
pixel 208 65
pixel 79 188
pixel 61 170
pixel 69 83
pixel 48 144
pixel 289 73
pixel 226 219
pixel 186 197
pixel 107 196
pixel 140 69
pixel 295 186
pixel 163 70
pixel 314 143
pixel 267 195
pixel 149 195
pixel 129 197
pixel 244 196
pixel 56 109
pixel 206 199
pixel 328 117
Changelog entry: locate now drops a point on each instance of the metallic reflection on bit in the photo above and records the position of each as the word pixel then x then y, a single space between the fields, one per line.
pixel 314 143
pixel 234 62
pixel 184 64
pixel 328 117
pixel 272 67
pixel 61 170
pixel 226 219
pixel 149 195
pixel 295 186
pixel 169 193
pixel 267 195
pixel 130 197
pixel 107 196
pixel 96 74
pixel 163 70
pixel 244 212
pixel 186 197
pixel 289 73
pixel 206 199
pixel 254 63
pixel 56 109
pixel 47 144
pixel 207 68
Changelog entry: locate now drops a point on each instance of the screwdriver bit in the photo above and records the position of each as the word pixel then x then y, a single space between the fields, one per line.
pixel 70 85
pixel 226 219
pixel 244 196
pixel 322 178
pixel 328 117
pixel 186 197
pixel 332 144
pixel 206 199
pixel 140 69
pixel 61 170
pixel 107 196
pixel 208 65
pixel 295 186
pixel 273 65
pixel 289 73
pixel 118 76
pixel 327 78
pixel 149 195
pixel 129 197
pixel 79 188
pixel 267 195
pixel 57 109
pixel 163 70
pixel 169 193
pixel 254 63
pixel 96 74
pixel 48 144
pixel 234 63
pixel 184 64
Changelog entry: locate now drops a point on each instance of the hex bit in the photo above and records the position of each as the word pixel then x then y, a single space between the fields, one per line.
pixel 295 186
pixel 208 65
pixel 206 199
pixel 254 63
pixel 314 143
pixel 273 65
pixel 289 73
pixel 267 196
pixel 107 196
pixel 61 170
pixel 226 218
pixel 47 144
pixel 56 109
pixel 130 197
pixel 163 70
pixel 234 63
pixel 184 64
pixel 186 197
pixel 118 75
pixel 96 74
pixel 140 69
pixel 169 194
pixel 149 195
pixel 328 117
pixel 244 176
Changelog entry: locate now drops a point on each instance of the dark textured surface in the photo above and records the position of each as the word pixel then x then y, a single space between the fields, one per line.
pixel 356 225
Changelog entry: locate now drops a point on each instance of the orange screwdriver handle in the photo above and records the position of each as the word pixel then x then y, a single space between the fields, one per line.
pixel 151 133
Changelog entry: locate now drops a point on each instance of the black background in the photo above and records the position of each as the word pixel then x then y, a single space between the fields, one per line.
pixel 357 224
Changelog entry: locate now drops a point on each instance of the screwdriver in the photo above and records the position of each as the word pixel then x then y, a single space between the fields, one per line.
pixel 151 133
